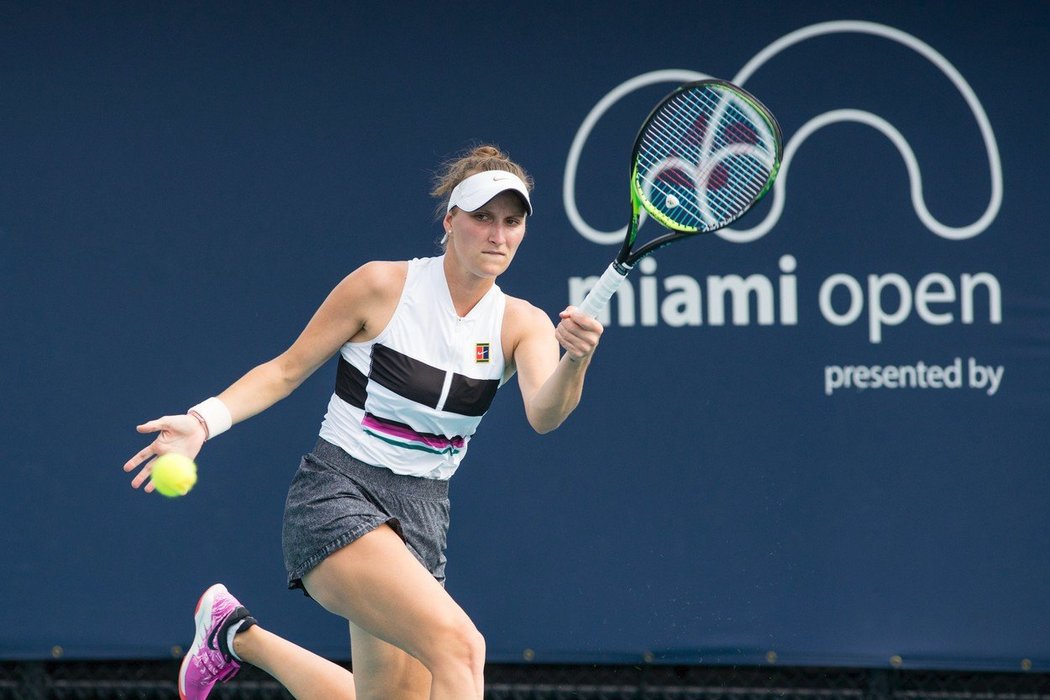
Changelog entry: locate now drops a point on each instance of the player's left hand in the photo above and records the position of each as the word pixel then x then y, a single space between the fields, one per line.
pixel 578 333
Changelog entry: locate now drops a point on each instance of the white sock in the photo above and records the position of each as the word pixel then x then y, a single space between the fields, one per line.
pixel 234 629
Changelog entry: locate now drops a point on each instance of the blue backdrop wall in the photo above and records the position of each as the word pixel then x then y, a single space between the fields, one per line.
pixel 843 400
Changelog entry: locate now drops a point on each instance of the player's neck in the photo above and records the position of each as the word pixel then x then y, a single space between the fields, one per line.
pixel 465 288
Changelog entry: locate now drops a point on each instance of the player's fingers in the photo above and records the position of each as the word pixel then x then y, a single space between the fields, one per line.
pixel 141 477
pixel 588 323
pixel 571 343
pixel 567 313
pixel 152 426
pixel 141 456
pixel 584 321
pixel 573 315
pixel 583 337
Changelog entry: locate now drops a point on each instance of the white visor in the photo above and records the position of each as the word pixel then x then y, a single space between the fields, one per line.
pixel 479 188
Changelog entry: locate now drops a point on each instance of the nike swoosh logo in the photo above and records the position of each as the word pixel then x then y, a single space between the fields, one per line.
pixel 497 178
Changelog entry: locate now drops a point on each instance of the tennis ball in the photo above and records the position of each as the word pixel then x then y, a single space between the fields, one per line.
pixel 173 474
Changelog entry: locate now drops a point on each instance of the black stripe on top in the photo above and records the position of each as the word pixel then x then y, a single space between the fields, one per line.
pixel 350 384
pixel 416 381
pixel 406 376
pixel 470 397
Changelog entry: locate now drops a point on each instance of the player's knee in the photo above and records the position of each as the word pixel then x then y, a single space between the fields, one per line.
pixel 461 645
pixel 475 645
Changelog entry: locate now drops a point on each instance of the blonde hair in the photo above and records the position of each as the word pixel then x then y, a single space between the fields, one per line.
pixel 475 160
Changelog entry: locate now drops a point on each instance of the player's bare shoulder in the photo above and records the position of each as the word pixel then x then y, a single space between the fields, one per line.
pixel 520 313
pixel 521 321
pixel 380 278
pixel 371 294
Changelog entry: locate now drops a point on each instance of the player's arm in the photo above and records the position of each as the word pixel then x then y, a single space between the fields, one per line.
pixel 550 386
pixel 348 313
pixel 355 310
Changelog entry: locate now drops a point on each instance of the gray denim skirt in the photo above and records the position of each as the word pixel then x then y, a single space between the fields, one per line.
pixel 334 499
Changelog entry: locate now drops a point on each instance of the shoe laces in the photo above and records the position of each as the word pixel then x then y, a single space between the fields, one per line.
pixel 215 666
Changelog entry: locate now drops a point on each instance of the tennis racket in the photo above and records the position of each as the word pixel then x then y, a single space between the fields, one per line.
pixel 703 157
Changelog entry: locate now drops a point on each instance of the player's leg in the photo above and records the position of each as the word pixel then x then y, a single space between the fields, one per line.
pixel 214 657
pixel 389 672
pixel 306 675
pixel 377 583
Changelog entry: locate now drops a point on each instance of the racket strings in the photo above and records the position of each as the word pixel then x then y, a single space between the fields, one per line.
pixel 681 123
pixel 723 169
pixel 681 127
pixel 714 150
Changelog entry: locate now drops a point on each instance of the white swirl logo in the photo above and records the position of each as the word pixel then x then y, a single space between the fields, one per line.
pixel 807 130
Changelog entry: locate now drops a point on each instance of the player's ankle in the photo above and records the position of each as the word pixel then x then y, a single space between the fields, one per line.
pixel 233 636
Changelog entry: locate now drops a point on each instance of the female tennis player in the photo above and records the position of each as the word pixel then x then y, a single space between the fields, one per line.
pixel 423 346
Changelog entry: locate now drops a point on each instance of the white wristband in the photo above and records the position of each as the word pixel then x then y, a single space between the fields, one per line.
pixel 216 417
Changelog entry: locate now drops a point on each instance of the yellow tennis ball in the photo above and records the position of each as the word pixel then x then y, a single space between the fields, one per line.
pixel 173 474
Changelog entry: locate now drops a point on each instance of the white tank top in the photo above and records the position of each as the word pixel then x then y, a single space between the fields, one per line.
pixel 411 399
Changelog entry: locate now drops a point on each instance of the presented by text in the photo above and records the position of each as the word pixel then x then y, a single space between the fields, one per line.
pixel 920 375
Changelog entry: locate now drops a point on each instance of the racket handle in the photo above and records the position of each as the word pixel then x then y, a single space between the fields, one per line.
pixel 603 290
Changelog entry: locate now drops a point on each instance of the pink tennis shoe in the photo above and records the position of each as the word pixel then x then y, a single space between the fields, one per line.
pixel 209 660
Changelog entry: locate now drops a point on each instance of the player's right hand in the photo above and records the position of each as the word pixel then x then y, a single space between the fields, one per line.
pixel 183 434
